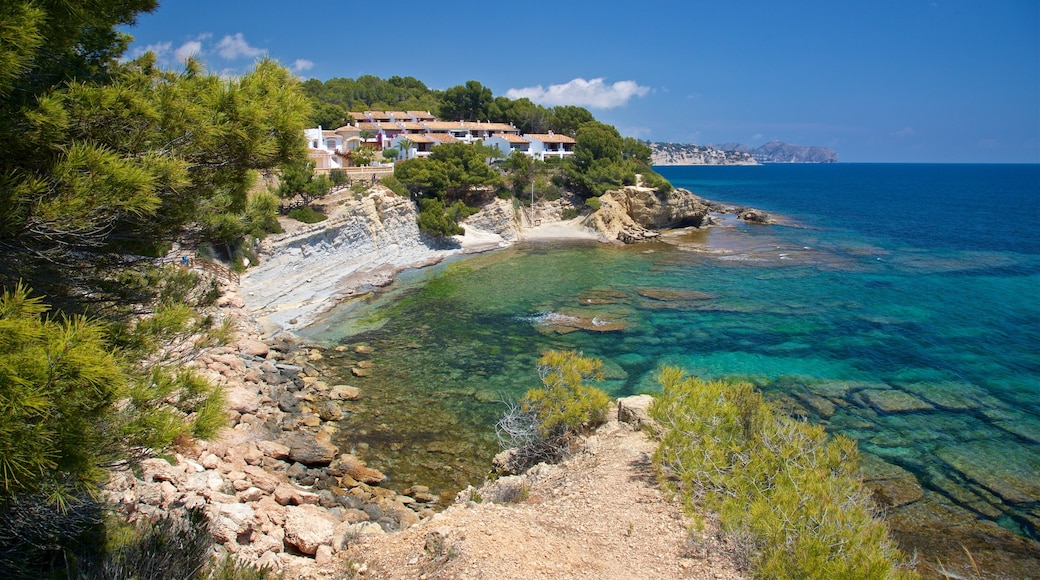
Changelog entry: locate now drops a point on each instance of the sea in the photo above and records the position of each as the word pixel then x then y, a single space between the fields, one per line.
pixel 898 304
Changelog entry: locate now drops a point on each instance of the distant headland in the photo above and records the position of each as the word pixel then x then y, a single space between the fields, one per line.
pixel 738 154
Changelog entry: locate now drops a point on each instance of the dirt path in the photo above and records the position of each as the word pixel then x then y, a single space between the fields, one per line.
pixel 599 515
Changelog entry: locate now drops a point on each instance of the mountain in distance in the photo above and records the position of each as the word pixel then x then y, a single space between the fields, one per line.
pixel 739 154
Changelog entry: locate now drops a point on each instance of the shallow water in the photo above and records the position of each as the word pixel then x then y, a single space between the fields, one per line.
pixel 922 346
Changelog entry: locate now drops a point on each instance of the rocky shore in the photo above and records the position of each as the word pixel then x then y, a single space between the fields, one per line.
pixel 277 491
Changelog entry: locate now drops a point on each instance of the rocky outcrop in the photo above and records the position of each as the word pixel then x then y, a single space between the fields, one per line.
pixel 634 214
pixel 497 217
pixel 364 242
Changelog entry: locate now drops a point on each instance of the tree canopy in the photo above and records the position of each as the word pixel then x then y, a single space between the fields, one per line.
pixel 106 159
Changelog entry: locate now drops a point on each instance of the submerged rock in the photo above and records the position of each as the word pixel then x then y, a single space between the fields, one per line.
pixel 894 401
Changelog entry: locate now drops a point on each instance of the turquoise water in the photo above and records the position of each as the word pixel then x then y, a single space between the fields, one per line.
pixel 897 304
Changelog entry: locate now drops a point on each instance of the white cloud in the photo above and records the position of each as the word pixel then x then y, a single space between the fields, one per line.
pixel 302 64
pixel 233 47
pixel 188 49
pixel 595 93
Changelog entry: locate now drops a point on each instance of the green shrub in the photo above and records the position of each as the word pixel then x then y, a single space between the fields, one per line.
pixel 569 213
pixel 563 402
pixel 307 215
pixel 786 492
pixel 593 203
pixel 655 181
pixel 395 185
pixel 437 220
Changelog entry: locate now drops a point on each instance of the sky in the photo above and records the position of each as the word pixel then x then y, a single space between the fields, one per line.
pixel 916 81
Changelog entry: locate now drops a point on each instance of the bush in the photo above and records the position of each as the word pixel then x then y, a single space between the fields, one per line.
pixel 593 203
pixel 564 403
pixel 788 494
pixel 437 220
pixel 307 215
pixel 569 213
pixel 395 185
pixel 542 426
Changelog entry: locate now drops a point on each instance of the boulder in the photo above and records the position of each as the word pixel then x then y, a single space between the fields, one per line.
pixel 307 527
pixel 273 449
pixel 241 398
pixel 330 411
pixel 310 449
pixel 635 410
pixel 253 347
pixel 353 467
pixel 344 393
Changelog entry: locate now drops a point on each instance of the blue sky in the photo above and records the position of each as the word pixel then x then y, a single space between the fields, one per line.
pixel 879 81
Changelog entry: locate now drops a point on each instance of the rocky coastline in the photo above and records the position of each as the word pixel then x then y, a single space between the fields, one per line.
pixel 277 491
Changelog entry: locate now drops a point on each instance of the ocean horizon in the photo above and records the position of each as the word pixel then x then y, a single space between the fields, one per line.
pixel 893 303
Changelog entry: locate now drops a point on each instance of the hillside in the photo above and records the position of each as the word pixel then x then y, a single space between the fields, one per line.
pixel 739 154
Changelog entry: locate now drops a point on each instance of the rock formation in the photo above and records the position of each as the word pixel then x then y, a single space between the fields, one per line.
pixel 634 214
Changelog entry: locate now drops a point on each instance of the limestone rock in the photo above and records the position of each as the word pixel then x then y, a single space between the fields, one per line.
pixel 253 347
pixel 344 393
pixel 631 214
pixel 310 449
pixel 635 410
pixel 307 527
pixel 330 411
pixel 894 401
pixel 351 466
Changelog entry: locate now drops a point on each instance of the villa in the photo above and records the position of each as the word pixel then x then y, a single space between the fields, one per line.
pixel 421 132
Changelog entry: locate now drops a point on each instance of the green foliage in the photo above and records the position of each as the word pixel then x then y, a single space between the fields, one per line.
pixel 470 102
pixel 564 402
pixel 593 203
pixel 636 150
pixel 788 493
pixel 59 384
pixel 569 213
pixel 390 154
pixel 654 180
pixel 367 93
pixel 437 220
pixel 307 215
pixel 393 184
pixel 103 158
pixel 71 405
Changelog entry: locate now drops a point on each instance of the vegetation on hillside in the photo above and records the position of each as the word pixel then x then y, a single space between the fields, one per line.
pixel 106 165
pixel 789 495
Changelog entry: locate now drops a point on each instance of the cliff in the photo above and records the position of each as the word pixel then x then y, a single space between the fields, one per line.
pixel 634 214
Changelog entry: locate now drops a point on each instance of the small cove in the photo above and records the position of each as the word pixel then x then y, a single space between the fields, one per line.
pixel 923 352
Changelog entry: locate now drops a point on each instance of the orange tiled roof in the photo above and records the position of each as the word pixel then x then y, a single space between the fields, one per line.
pixel 441 137
pixel 550 138
pixel 423 115
pixel 411 126
pixel 378 115
pixel 511 138
pixel 420 138
pixel 358 116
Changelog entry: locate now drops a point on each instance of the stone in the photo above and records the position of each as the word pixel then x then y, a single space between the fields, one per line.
pixel 892 485
pixel 155 469
pixel 504 462
pixel 250 494
pixel 635 410
pixel 363 349
pixel 894 401
pixel 242 399
pixel 307 527
pixel 288 403
pixel 330 411
pixel 261 478
pixel 273 449
pixel 349 465
pixel 316 449
pixel 996 467
pixel 323 555
pixel 252 347
pixel 360 372
pixel 344 393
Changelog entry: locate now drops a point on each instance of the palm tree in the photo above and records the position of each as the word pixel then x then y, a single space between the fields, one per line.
pixel 405 145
